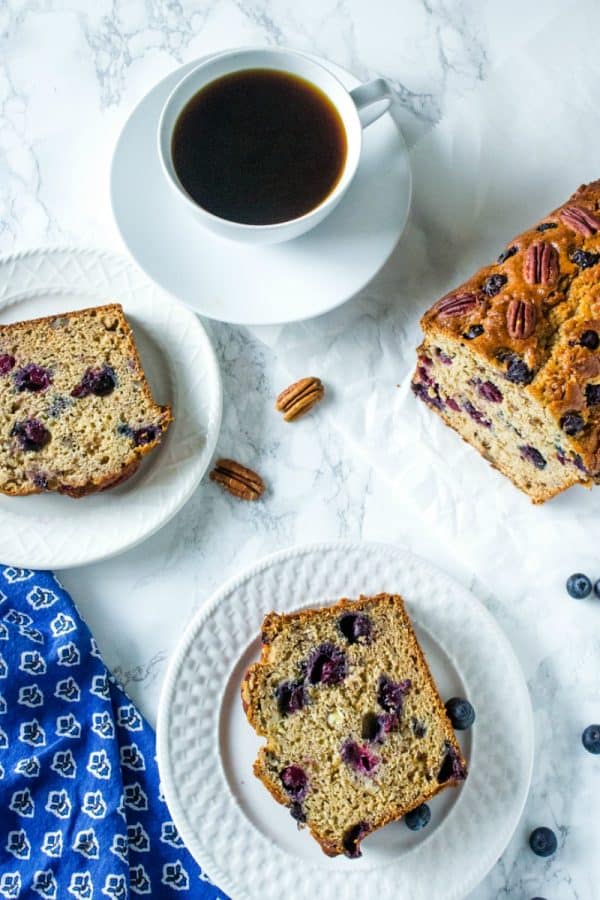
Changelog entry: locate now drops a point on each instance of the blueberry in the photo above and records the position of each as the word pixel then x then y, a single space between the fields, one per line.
pixel 418 818
pixel 452 767
pixel 352 838
pixel 33 378
pixel 572 423
pixel 419 729
pixel 390 694
pixel 584 259
pixel 517 370
pixel 297 812
pixel 494 284
pixel 476 414
pixel 100 382
pixel 490 392
pixel 355 626
pixel 295 782
pixel 590 340
pixel 290 696
pixel 375 726
pixel 421 391
pixel 591 739
pixel 506 254
pixel 145 435
pixel 472 332
pixel 534 456
pixel 30 434
pixel 7 363
pixel 579 586
pixel 546 225
pixel 597 588
pixel 359 757
pixel 461 713
pixel 326 665
pixel 443 357
pixel 592 394
pixel 543 841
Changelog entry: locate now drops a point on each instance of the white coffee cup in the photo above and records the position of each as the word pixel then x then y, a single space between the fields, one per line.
pixel 356 108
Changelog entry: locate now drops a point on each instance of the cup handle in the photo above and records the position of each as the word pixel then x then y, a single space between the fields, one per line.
pixel 372 100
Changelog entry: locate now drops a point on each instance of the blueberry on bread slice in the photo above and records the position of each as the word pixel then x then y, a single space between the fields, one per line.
pixel 76 411
pixel 356 733
pixel 511 358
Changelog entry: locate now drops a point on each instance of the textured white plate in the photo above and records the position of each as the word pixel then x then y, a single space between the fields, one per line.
pixel 248 844
pixel 52 531
pixel 258 285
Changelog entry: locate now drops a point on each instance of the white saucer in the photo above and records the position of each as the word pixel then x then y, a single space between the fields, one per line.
pixel 244 284
pixel 50 531
pixel 248 844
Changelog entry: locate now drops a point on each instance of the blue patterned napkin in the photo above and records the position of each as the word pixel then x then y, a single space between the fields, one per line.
pixel 81 809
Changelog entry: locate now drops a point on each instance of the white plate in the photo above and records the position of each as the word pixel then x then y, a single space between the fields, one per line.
pixel 53 531
pixel 258 285
pixel 248 844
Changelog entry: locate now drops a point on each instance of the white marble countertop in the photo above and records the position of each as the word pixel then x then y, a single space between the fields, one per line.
pixel 70 73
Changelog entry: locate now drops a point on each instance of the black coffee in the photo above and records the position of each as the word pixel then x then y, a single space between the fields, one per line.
pixel 259 147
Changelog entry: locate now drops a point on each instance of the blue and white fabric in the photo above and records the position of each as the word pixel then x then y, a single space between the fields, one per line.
pixel 81 810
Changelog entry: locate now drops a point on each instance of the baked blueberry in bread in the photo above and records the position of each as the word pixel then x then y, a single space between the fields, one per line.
pixel 76 411
pixel 511 358
pixel 357 735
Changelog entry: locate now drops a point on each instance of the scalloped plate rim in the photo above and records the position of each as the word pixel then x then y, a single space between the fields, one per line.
pixel 200 618
pixel 214 393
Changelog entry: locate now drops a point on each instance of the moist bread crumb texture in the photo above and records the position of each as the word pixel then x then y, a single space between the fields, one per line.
pixel 76 411
pixel 511 358
pixel 357 734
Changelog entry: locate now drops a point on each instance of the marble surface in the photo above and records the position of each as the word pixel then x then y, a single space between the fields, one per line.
pixel 70 72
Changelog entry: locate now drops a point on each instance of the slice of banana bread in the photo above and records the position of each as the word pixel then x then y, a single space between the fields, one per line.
pixel 511 359
pixel 357 735
pixel 76 411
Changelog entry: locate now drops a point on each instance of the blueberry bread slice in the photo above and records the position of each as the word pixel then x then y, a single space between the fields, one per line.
pixel 357 735
pixel 511 358
pixel 76 412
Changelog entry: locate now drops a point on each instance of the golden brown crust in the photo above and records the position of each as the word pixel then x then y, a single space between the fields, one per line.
pixel 112 314
pixel 273 625
pixel 562 300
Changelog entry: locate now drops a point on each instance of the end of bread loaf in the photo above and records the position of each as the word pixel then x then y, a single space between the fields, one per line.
pixel 511 358
pixel 76 411
pixel 357 735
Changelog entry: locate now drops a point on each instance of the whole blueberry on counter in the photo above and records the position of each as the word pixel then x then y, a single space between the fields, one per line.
pixel 591 738
pixel 460 712
pixel 418 818
pixel 597 588
pixel 543 841
pixel 579 586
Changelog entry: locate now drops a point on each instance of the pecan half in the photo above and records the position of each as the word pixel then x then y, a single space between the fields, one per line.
pixel 237 479
pixel 540 265
pixel 580 220
pixel 457 304
pixel 299 398
pixel 520 319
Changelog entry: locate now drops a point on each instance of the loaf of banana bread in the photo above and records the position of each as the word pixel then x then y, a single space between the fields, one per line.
pixel 76 411
pixel 511 358
pixel 357 735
